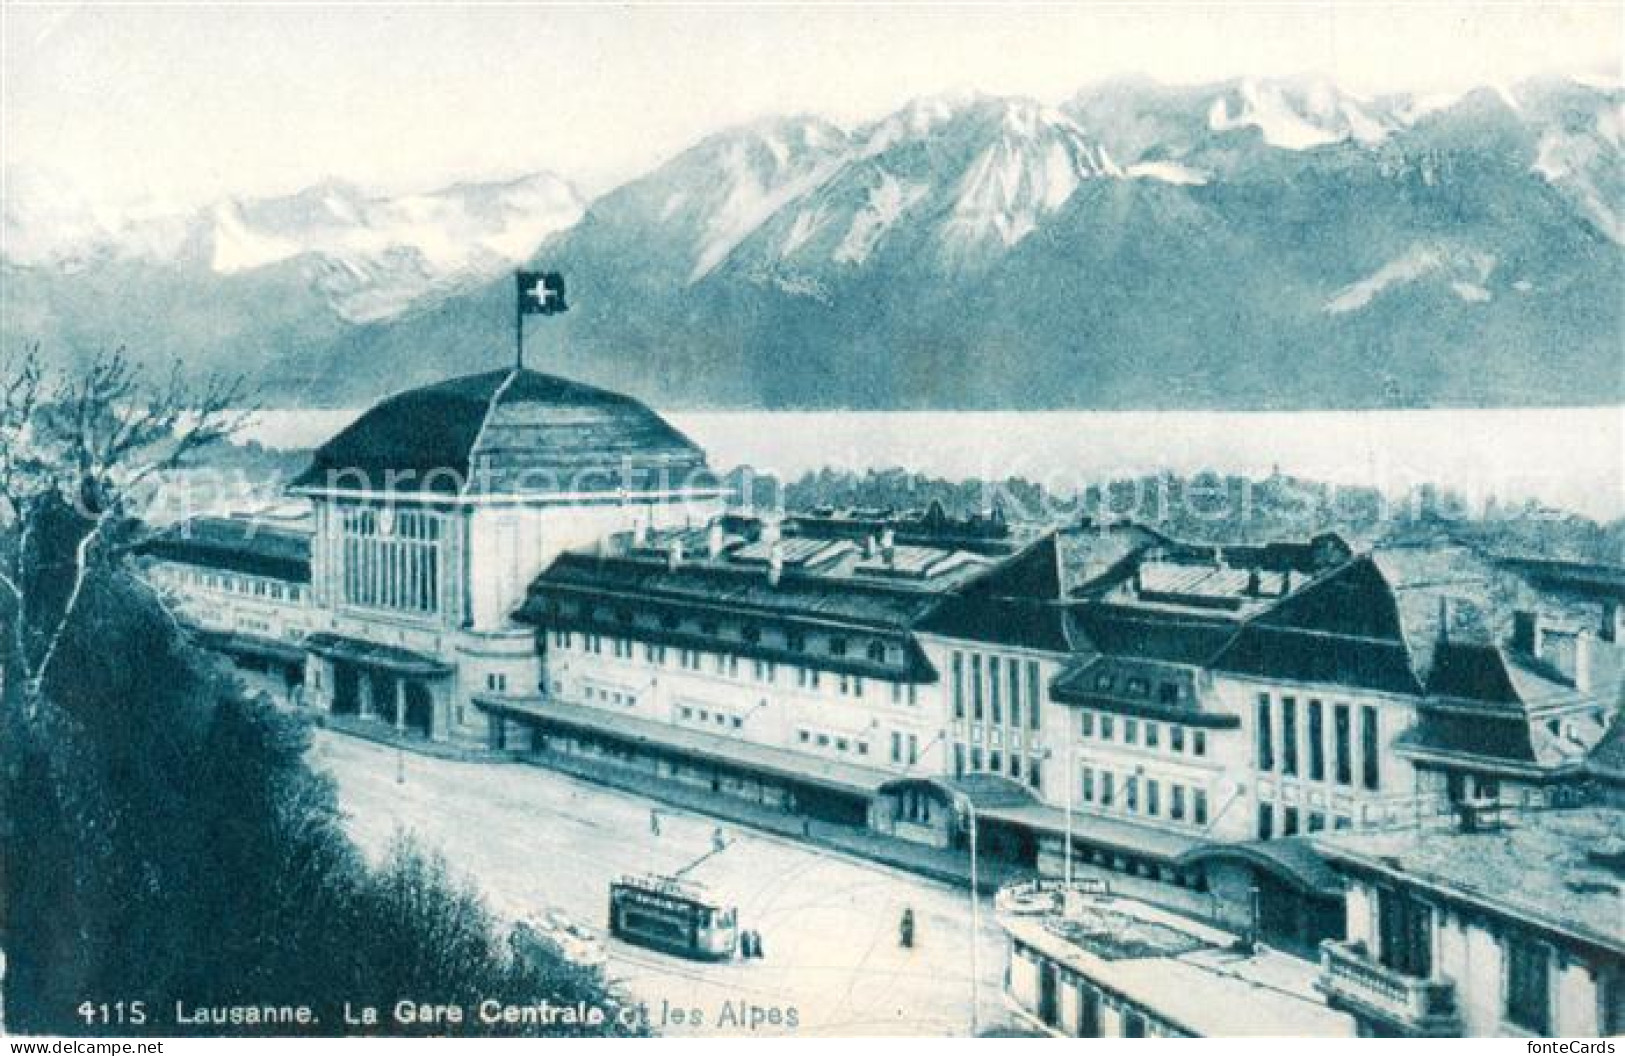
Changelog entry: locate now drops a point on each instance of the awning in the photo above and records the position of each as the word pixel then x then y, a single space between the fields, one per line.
pixel 1115 834
pixel 248 645
pixel 1293 860
pixel 985 792
pixel 371 654
pixel 740 754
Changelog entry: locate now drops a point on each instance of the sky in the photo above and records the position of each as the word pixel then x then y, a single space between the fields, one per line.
pixel 176 106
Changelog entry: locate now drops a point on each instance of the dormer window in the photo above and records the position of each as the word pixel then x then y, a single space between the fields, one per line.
pixel 1103 682
pixel 837 647
pixel 877 652
pixel 1168 692
pixel 795 641
pixel 670 622
pixel 1139 687
pixel 750 633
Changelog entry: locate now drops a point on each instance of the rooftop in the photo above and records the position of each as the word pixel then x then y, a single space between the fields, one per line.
pixel 235 544
pixel 1559 871
pixel 1195 976
pixel 508 432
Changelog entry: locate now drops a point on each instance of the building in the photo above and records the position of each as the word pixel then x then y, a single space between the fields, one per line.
pixel 243 583
pixel 428 516
pixel 1086 963
pixel 770 660
pixel 1512 929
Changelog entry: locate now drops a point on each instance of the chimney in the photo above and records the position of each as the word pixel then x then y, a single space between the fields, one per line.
pixel 1286 583
pixel 674 556
pixel 1528 633
pixel 1253 583
pixel 1444 617
pixel 713 540
pixel 1582 662
pixel 640 534
pixel 870 547
pixel 888 544
pixel 771 531
pixel 775 564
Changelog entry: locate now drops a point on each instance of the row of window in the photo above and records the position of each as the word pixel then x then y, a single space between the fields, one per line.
pixel 1302 749
pixel 727 665
pixel 1002 690
pixel 1405 944
pixel 1137 794
pixel 876 650
pixel 1293 821
pixel 838 742
pixel 251 586
pixel 1144 733
pixel 971 759
pixel 707 717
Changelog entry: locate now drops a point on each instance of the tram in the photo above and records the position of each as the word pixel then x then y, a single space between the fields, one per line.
pixel 675 916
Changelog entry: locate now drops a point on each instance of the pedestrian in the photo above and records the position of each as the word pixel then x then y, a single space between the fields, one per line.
pixel 905 929
pixel 756 944
pixel 806 828
pixel 654 822
pixel 719 839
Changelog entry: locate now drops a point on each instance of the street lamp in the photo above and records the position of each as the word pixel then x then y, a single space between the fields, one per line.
pixel 968 808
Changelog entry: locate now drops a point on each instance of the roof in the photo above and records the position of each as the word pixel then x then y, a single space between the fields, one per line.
pixel 1145 688
pixel 1293 859
pixel 829 773
pixel 373 654
pixel 984 791
pixel 1150 633
pixel 1183 971
pixel 508 432
pixel 236 545
pixel 1343 628
pixel 1544 869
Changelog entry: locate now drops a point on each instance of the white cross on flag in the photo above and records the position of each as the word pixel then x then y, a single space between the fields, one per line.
pixel 541 293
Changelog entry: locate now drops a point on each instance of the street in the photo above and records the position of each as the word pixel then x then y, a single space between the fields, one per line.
pixel 532 839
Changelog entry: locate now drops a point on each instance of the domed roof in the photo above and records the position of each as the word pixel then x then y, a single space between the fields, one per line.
pixel 508 432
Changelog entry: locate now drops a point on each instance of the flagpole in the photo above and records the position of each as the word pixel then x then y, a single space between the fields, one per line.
pixel 519 333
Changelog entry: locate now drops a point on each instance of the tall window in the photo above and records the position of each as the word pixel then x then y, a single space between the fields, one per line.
pixel 993 689
pixel 391 559
pixel 976 686
pixel 1528 985
pixel 1317 745
pixel 1034 710
pixel 1370 747
pixel 1340 744
pixel 1015 693
pixel 959 684
pixel 1289 736
pixel 1266 735
pixel 1404 934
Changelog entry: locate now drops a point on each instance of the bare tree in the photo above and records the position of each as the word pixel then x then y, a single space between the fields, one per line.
pixel 91 441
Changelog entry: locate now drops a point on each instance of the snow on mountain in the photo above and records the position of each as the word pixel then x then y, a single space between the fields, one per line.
pixel 1464 272
pixel 1036 160
pixel 371 256
pixel 1299 114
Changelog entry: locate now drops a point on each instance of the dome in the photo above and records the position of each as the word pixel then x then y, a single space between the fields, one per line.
pixel 508 432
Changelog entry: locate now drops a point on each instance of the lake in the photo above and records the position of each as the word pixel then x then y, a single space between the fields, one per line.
pixel 1568 457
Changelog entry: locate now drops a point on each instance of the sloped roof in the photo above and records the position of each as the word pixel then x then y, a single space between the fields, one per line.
pixel 1151 634
pixel 502 433
pixel 1344 628
pixel 237 545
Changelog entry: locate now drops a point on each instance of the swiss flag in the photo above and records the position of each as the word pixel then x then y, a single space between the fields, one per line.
pixel 541 293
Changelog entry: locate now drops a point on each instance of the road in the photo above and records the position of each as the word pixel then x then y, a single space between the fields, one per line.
pixel 532 838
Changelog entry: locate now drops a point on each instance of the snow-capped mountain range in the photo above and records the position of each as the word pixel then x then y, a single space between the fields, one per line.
pixel 371 257
pixel 1268 243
